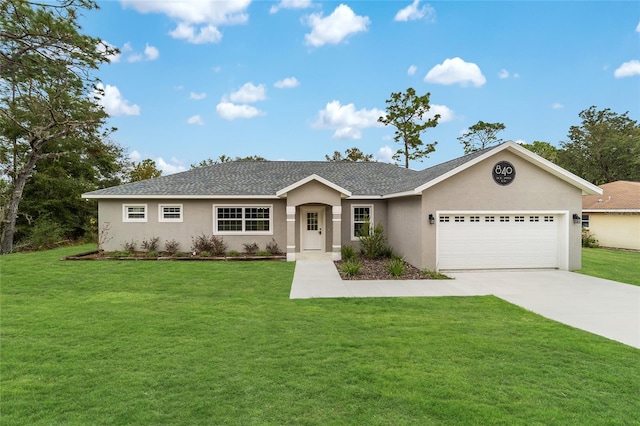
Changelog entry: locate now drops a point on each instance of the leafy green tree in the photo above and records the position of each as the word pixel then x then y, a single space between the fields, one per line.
pixel 407 113
pixel 52 196
pixel 226 159
pixel 350 155
pixel 604 148
pixel 45 87
pixel 480 136
pixel 146 169
pixel 543 149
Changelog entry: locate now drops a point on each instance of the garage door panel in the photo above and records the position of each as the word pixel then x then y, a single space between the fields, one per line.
pixel 509 241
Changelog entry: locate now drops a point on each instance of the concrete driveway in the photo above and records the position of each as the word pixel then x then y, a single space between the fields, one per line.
pixel 606 308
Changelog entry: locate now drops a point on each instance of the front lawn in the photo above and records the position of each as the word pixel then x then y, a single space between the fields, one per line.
pixel 201 343
pixel 617 265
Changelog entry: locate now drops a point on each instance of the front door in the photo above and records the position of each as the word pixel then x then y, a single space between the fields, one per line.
pixel 312 228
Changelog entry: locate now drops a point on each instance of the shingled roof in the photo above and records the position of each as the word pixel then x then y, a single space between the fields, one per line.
pixel 266 178
pixel 619 195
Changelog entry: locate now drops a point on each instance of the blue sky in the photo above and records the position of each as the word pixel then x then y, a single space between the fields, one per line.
pixel 298 79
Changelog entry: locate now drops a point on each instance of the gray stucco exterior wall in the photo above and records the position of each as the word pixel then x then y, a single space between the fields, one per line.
pixel 475 190
pixel 197 220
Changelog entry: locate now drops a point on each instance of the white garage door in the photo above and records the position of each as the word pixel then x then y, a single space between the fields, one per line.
pixel 498 241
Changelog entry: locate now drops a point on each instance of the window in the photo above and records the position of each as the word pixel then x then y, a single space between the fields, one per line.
pixel 134 213
pixel 504 218
pixel 585 220
pixel 170 213
pixel 519 218
pixel 548 218
pixel 474 219
pixel 444 219
pixel 359 216
pixel 458 218
pixel 243 219
pixel 534 218
pixel 489 218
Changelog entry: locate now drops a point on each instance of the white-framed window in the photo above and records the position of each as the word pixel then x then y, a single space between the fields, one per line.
pixel 444 219
pixel 234 219
pixel 170 213
pixel 360 214
pixel 585 220
pixel 134 212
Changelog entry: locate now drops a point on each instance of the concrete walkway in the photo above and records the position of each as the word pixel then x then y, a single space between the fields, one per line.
pixel 606 308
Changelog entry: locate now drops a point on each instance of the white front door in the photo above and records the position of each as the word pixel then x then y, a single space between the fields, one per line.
pixel 312 228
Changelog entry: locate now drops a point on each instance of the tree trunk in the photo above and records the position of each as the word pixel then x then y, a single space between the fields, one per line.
pixel 11 213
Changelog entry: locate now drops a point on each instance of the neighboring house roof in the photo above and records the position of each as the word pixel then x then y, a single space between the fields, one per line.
pixel 619 196
pixel 272 179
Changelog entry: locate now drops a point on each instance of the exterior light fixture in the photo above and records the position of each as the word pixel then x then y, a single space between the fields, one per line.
pixel 432 219
pixel 576 218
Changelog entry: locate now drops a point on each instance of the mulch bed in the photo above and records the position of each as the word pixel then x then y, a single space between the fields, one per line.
pixel 375 269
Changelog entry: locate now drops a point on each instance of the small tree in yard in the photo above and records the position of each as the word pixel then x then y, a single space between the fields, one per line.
pixel 407 112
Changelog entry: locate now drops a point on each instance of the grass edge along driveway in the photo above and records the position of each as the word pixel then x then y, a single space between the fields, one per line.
pixel 220 343
pixel 617 265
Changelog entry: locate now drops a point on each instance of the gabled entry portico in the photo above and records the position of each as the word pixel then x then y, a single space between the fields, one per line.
pixel 314 215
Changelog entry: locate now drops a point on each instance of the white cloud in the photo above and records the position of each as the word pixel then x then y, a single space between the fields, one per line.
pixel 196 119
pixel 446 113
pixel 503 74
pixel 135 156
pixel 197 20
pixel 346 121
pixel 557 105
pixel 628 69
pixel 168 168
pixel 385 154
pixel 336 27
pixel 205 34
pixel 520 141
pixel 231 111
pixel 113 102
pixel 249 93
pixel 290 4
pixel 127 47
pixel 151 52
pixel 412 70
pixel 455 70
pixel 413 13
pixel 287 83
pixel 197 96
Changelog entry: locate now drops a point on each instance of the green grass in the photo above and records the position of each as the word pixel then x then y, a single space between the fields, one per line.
pixel 202 343
pixel 617 265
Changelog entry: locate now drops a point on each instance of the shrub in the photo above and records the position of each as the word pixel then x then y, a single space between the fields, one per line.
pixel 263 253
pixel 213 244
pixel 347 253
pixel 588 239
pixel 373 244
pixel 130 246
pixel 205 253
pixel 151 245
pixel 151 254
pixel 272 248
pixel 233 253
pixel 120 254
pixel 395 267
pixel 251 248
pixel 434 275
pixel 218 246
pixel 171 247
pixel 45 234
pixel 351 268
